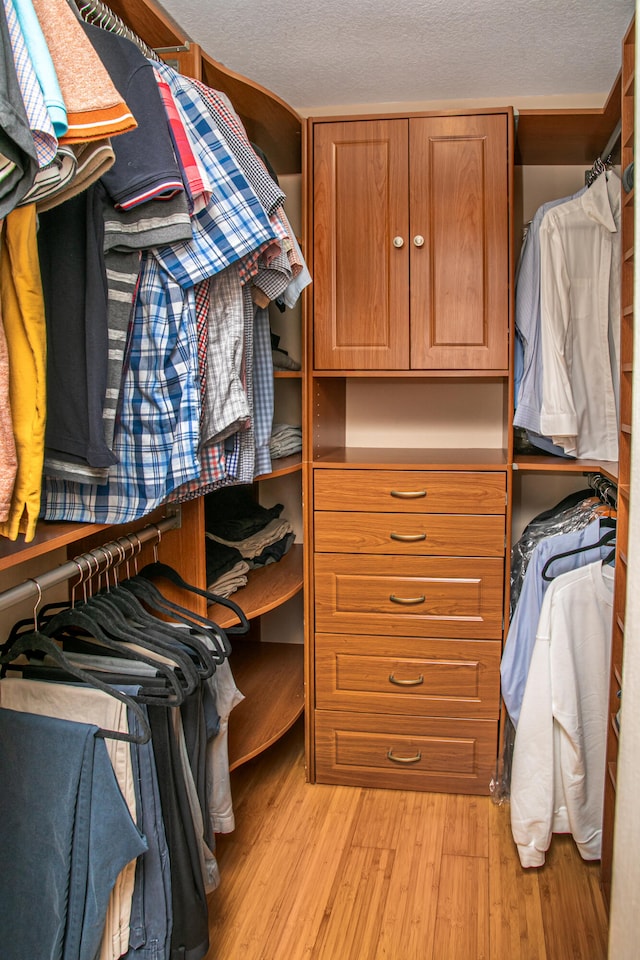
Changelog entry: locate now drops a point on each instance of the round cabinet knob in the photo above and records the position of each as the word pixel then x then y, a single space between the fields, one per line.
pixel 398 242
pixel 418 241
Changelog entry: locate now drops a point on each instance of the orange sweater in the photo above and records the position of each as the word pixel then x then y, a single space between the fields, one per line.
pixel 95 109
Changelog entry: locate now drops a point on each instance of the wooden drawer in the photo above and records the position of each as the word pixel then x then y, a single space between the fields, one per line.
pixel 410 491
pixel 400 675
pixel 413 534
pixel 444 756
pixel 409 596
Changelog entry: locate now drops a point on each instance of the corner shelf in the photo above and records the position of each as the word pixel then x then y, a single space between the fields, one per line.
pixel 268 588
pixel 270 675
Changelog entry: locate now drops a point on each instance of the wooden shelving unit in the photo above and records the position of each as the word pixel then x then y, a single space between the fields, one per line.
pixel 268 588
pixel 626 391
pixel 273 693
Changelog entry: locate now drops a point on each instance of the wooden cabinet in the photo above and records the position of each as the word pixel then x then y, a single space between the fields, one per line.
pixel 408 627
pixel 410 243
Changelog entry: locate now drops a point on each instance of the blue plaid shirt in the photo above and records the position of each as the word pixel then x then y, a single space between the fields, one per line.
pixel 157 430
pixel 233 223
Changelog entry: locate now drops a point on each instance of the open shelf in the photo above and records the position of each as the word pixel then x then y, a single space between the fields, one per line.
pixel 411 458
pixel 49 536
pixel 282 466
pixel 548 464
pixel 268 587
pixel 571 136
pixel 270 675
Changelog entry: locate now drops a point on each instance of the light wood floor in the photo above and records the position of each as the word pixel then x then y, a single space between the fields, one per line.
pixel 344 873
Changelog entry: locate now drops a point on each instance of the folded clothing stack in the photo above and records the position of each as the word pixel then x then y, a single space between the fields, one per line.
pixel 286 439
pixel 240 530
pixel 281 358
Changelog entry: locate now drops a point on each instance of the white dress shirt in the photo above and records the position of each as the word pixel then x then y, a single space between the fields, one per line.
pixel 559 757
pixel 580 321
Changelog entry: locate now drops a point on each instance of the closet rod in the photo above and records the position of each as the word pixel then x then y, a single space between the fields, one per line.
pixel 32 589
pixel 611 142
pixel 97 12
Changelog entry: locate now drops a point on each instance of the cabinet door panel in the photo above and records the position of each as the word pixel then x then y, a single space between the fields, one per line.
pixel 360 294
pixel 460 273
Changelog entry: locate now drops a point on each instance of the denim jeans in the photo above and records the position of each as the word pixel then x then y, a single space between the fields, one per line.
pixel 66 835
pixel 151 914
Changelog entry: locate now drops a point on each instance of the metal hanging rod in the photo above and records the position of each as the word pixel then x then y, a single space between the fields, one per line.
pixel 612 141
pixel 98 13
pixel 34 588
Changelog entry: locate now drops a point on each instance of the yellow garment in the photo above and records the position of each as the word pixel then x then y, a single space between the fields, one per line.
pixel 22 306
pixel 8 459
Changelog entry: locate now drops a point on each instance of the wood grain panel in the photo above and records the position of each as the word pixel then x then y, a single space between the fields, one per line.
pixel 420 491
pixel 449 756
pixel 360 290
pixel 460 275
pixel 440 678
pixel 411 534
pixel 462 914
pixel 454 597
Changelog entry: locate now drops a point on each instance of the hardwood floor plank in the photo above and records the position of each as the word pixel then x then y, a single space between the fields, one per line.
pixel 408 925
pixel 310 882
pixel 351 923
pixel 515 912
pixel 569 887
pixel 466 830
pixel 462 913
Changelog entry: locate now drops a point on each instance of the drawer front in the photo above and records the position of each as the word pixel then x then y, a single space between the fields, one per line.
pixel 417 534
pixel 410 491
pixel 445 756
pixel 400 675
pixel 409 596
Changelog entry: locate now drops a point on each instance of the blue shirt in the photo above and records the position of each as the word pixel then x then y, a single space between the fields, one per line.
pixel 234 223
pixel 524 623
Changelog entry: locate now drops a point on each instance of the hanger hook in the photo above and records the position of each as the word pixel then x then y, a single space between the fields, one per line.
pixel 76 561
pixel 37 603
pixel 137 548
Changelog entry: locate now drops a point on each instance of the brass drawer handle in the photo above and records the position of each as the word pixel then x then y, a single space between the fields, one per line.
pixel 408 537
pixel 416 759
pixel 407 601
pixel 406 683
pixel 408 494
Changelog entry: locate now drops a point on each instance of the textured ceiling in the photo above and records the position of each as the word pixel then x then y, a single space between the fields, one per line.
pixel 316 53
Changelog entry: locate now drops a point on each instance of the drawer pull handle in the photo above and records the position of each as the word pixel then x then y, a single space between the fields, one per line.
pixel 406 683
pixel 408 494
pixel 408 537
pixel 407 601
pixel 416 759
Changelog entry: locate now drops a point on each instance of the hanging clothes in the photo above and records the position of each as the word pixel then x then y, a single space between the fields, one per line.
pixel 560 747
pixel 580 309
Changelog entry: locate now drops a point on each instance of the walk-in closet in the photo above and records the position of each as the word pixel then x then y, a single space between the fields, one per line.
pixel 318 563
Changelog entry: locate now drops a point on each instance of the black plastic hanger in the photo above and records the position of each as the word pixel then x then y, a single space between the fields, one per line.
pixel 606 538
pixel 36 641
pixel 156 569
pixel 90 623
